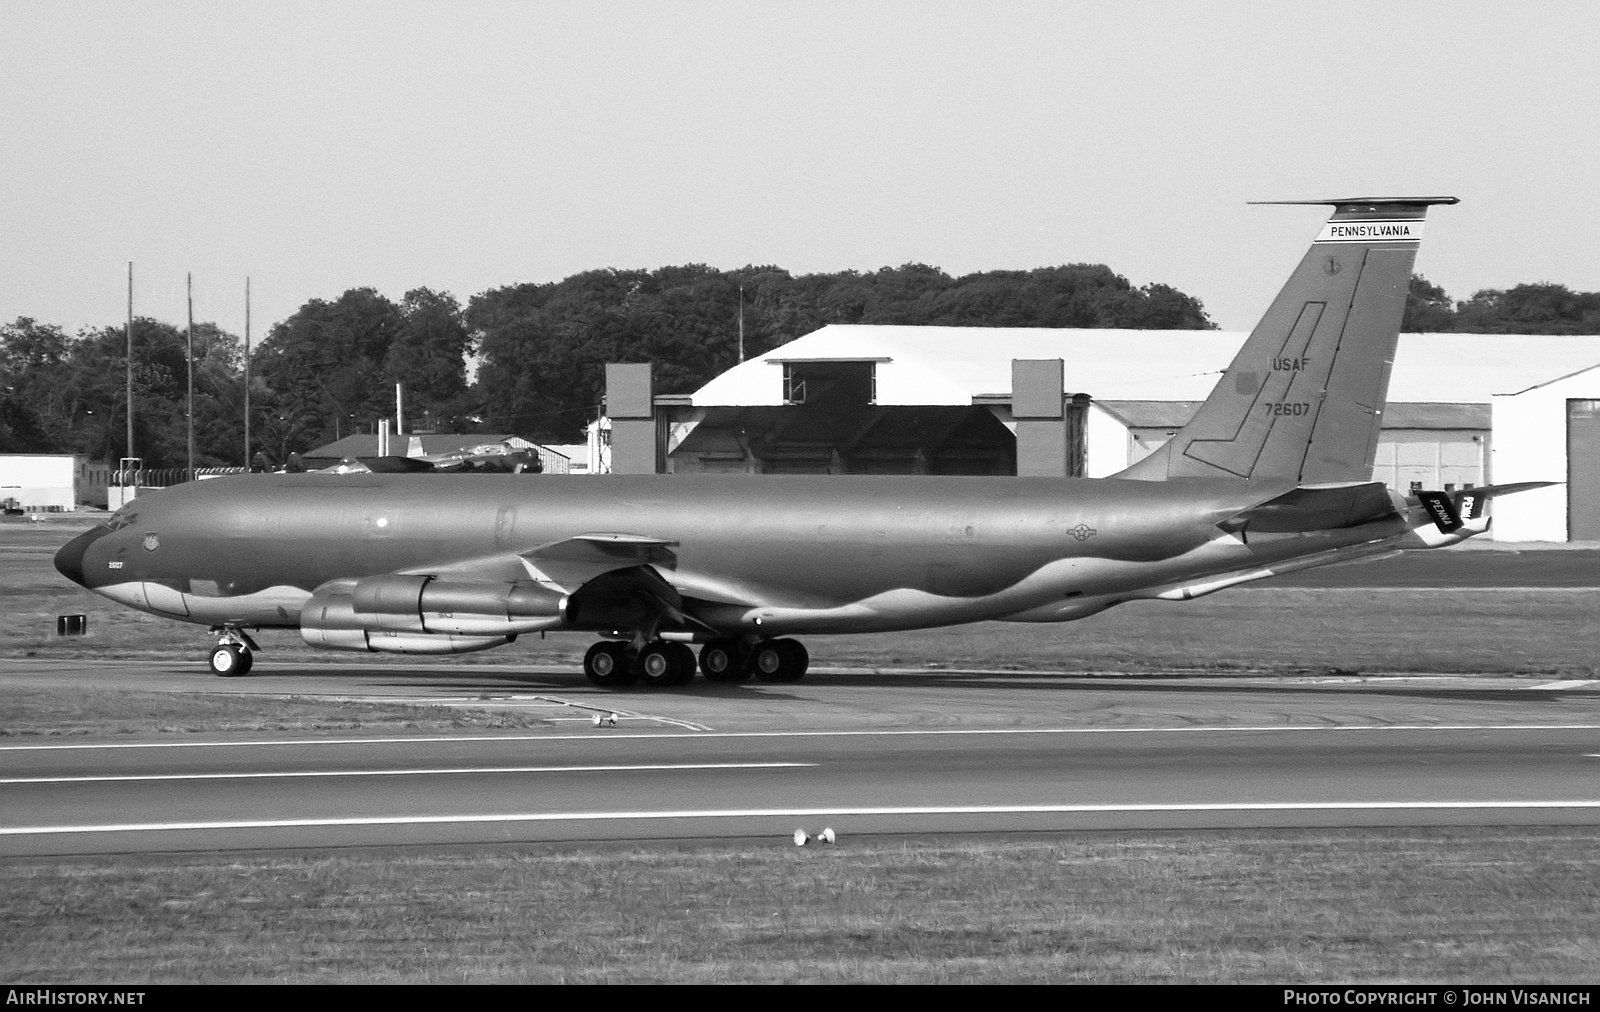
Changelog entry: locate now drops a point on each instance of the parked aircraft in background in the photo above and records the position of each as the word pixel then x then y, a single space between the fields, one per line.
pixel 1272 475
pixel 486 458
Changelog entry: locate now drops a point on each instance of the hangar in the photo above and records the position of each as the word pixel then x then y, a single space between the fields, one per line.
pixel 51 482
pixel 1464 409
pixel 1551 429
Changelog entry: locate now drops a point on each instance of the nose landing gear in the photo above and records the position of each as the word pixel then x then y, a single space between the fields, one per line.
pixel 234 656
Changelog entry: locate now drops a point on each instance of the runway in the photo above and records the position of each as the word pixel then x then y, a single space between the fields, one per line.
pixel 102 797
pixel 861 752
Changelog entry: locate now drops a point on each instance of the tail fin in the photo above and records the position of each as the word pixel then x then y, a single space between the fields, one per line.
pixel 1303 398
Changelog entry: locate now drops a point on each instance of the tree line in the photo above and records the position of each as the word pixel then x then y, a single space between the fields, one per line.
pixel 1525 309
pixel 330 369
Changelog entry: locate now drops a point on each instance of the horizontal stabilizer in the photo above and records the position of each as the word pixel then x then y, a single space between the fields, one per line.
pixel 1469 502
pixel 1442 511
pixel 1315 508
pixel 1451 511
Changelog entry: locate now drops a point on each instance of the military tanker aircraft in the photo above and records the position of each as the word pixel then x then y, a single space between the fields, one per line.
pixel 1272 475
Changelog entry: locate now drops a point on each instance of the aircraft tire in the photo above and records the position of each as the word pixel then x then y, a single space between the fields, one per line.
pixel 660 665
pixel 783 660
pixel 229 660
pixel 608 665
pixel 724 660
pixel 686 662
pixel 247 660
pixel 800 655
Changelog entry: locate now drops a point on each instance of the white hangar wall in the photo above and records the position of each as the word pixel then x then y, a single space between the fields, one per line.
pixel 954 365
pixel 1549 432
pixel 40 482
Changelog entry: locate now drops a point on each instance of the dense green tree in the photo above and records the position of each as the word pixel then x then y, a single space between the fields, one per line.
pixel 1525 309
pixel 1530 309
pixel 33 395
pixel 544 347
pixel 1428 309
pixel 160 378
pixel 429 359
pixel 68 395
pixel 327 363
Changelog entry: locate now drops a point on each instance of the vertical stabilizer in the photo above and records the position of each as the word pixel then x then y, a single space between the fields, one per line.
pixel 1303 399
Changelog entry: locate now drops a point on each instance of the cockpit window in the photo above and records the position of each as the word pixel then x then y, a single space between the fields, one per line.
pixel 120 519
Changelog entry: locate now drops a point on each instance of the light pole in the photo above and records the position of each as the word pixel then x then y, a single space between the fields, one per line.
pixel 189 354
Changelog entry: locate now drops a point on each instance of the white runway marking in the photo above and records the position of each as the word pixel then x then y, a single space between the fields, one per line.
pixel 406 773
pixel 892 732
pixel 735 813
pixel 1572 683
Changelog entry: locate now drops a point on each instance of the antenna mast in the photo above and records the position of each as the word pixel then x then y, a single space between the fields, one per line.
pixel 247 374
pixel 129 452
pixel 189 354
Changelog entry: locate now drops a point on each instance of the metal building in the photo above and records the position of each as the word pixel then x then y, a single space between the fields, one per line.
pixel 987 400
pixel 1550 432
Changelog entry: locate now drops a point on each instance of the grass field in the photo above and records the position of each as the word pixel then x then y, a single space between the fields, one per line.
pixel 68 711
pixel 1456 905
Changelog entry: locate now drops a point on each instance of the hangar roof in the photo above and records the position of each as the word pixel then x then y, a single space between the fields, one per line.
pixel 1557 379
pixel 952 365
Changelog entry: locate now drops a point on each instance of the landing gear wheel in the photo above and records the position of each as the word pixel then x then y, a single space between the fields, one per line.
pixel 780 661
pixel 608 665
pixel 230 660
pixel 661 665
pixel 686 662
pixel 723 660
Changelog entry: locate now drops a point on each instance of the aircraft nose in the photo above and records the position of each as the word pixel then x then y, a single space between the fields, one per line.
pixel 69 560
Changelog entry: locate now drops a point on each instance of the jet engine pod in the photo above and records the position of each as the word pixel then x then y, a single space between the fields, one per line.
pixel 331 619
pixel 421 614
pixel 328 618
pixel 430 643
pixel 458 606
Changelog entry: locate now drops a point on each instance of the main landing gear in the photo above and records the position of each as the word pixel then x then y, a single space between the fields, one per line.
pixel 235 654
pixel 612 664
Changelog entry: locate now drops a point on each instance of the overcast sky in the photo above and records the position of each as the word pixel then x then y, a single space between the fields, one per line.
pixel 323 146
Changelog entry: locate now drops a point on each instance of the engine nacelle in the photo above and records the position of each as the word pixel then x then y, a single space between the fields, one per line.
pixel 425 615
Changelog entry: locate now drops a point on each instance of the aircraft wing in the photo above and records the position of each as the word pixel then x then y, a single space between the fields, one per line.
pixel 569 564
pixel 624 575
pixel 1315 508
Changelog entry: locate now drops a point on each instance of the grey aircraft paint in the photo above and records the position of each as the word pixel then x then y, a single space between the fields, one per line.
pixel 1272 475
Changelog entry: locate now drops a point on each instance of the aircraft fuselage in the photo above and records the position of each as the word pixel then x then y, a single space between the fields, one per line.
pixel 802 553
